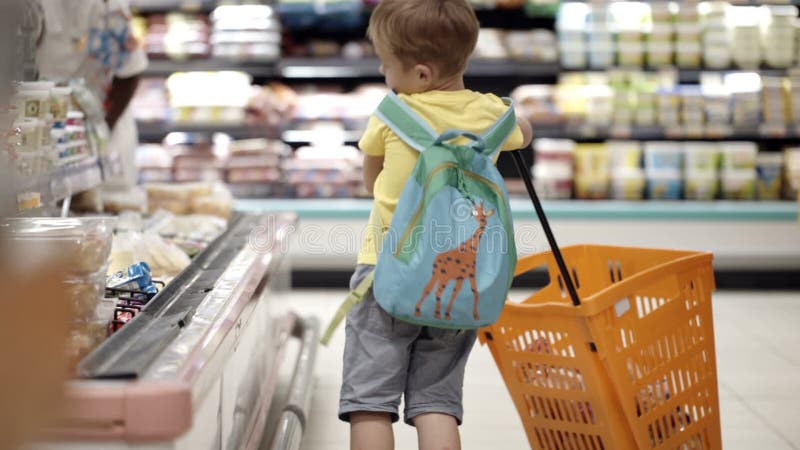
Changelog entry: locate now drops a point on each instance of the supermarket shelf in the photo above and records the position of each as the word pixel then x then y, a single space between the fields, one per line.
pixel 153 132
pixel 557 132
pixel 335 67
pixel 570 210
pixel 167 6
pixel 166 67
pixel 297 137
pixel 343 68
pixel 762 237
pixel 657 133
pixel 308 68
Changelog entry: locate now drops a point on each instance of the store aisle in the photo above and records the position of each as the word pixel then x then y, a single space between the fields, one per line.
pixel 759 369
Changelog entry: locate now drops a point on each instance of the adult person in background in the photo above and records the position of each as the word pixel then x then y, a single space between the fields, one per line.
pixel 33 327
pixel 93 40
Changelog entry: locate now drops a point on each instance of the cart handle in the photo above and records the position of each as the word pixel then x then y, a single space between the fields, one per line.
pixel 551 239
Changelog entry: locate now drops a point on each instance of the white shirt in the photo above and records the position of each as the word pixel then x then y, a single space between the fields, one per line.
pixel 92 39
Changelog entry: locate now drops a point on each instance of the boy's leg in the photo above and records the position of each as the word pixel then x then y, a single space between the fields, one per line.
pixel 376 356
pixel 371 431
pixel 435 384
pixel 437 431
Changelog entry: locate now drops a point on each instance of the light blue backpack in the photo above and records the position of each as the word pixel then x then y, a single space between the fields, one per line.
pixel 448 258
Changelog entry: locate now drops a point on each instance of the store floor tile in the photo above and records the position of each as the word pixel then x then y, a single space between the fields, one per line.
pixel 758 362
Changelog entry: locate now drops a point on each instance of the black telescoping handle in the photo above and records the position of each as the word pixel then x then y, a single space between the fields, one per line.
pixel 562 266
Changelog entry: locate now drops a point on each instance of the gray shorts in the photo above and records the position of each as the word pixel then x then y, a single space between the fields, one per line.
pixel 385 358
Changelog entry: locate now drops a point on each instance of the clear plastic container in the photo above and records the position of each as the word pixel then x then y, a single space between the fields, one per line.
pixel 701 185
pixel 83 292
pixel 665 184
pixel 82 243
pixel 628 184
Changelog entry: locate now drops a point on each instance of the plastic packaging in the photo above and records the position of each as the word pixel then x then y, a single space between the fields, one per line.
pixel 628 184
pixel 738 155
pixel 701 185
pixel 769 168
pixel 84 243
pixel 624 154
pixel 664 184
pixel 739 184
pixel 593 186
pixel 554 150
pixel 663 155
pixel 701 157
pixel 553 181
pixel 83 292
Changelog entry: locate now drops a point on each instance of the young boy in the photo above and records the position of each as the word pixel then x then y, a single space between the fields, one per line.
pixel 424 47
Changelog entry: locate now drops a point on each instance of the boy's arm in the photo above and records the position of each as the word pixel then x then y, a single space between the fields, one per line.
pixel 372 167
pixel 527 131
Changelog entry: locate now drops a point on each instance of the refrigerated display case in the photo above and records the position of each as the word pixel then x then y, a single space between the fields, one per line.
pixel 198 366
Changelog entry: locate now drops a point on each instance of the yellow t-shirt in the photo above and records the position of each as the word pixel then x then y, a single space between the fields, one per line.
pixel 464 110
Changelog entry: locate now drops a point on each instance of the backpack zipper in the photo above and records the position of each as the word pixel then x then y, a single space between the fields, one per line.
pixel 418 213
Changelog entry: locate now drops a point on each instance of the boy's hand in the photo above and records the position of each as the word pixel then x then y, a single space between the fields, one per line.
pixel 372 167
pixel 527 131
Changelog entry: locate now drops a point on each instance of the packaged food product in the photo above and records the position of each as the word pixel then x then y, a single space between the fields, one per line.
pixel 591 159
pixel 553 181
pixel 624 154
pixel 136 277
pixel 688 54
pixel 554 150
pixel 769 167
pixel 631 54
pixel 701 185
pixel 738 155
pixel 739 184
pixel 664 184
pixel 663 155
pixel 591 186
pixel 602 53
pixel 84 243
pixel 701 157
pixel 791 163
pixel 627 183
pixel 659 54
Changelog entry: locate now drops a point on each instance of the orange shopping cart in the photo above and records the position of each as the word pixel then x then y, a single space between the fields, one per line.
pixel 616 352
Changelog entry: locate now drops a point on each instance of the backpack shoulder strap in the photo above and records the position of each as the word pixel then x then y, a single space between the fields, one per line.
pixel 496 136
pixel 407 124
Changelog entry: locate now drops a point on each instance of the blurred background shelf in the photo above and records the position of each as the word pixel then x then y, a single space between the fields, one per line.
pixel 153 132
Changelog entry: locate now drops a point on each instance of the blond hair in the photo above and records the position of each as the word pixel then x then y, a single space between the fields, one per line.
pixel 442 33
